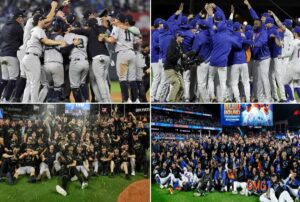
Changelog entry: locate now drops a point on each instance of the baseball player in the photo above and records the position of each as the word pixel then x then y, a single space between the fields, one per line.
pixel 34 51
pixel 156 70
pixel 12 33
pixel 53 61
pixel 140 65
pixel 79 67
pixel 99 55
pixel 261 56
pixel 21 82
pixel 124 41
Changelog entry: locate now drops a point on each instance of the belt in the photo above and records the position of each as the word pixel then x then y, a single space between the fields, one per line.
pixel 78 59
pixel 125 50
pixel 32 54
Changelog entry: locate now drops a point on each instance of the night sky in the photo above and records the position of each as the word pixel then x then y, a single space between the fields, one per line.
pixel 166 8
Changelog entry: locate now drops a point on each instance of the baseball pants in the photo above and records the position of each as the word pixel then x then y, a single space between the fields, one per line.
pixel 83 170
pixel 32 65
pixel 157 70
pixel 44 168
pixel 78 72
pixel 93 83
pixel 263 83
pixel 222 73
pixel 163 180
pixel 276 75
pixel 100 68
pixel 242 185
pixel 238 70
pixel 45 84
pixel 163 87
pixel 202 79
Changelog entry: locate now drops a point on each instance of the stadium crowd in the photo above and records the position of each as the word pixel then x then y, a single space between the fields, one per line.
pixel 258 165
pixel 73 147
pixel 211 57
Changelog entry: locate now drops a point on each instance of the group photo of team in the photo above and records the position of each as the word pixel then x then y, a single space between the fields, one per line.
pixel 74 51
pixel 52 153
pixel 233 51
pixel 196 155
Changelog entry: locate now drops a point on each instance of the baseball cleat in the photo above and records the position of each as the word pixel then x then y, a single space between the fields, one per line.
pixel 171 191
pixel 84 185
pixel 60 190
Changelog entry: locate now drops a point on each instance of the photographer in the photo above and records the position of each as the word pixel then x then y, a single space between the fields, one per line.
pixel 172 74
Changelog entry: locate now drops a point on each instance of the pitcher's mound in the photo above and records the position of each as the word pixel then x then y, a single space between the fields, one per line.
pixel 136 192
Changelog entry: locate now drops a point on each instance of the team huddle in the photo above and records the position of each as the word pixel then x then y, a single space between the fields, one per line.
pixel 255 165
pixel 72 148
pixel 209 58
pixel 55 55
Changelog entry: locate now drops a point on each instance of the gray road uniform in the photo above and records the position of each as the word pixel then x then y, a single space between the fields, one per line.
pixel 79 65
pixel 125 63
pixel 32 63
pixel 54 69
pixel 20 54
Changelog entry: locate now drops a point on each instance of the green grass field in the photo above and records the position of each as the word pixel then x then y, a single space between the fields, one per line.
pixel 100 188
pixel 162 195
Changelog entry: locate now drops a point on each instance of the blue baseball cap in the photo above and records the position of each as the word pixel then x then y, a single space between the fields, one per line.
pixel 158 21
pixel 166 25
pixel 237 26
pixel 180 33
pixel 267 15
pixel 297 30
pixel 218 16
pixel 288 22
pixel 248 28
pixel 202 23
pixel 269 20
pixel 184 20
pixel 193 24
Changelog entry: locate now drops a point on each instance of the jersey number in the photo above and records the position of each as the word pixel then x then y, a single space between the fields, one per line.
pixel 127 35
pixel 81 45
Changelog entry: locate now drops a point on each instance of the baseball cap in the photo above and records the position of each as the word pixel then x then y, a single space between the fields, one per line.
pixel 87 13
pixel 237 26
pixel 297 30
pixel 218 16
pixel 130 20
pixel 180 33
pixel 269 20
pixel 38 10
pixel 248 28
pixel 184 20
pixel 76 24
pixel 103 13
pixel 91 22
pixel 158 21
pixel 288 22
pixel 19 13
pixel 267 15
pixel 193 23
pixel 71 18
pixel 121 17
pixel 202 23
pixel 38 17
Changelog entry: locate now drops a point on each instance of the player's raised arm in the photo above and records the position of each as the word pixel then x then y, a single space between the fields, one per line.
pixel 251 10
pixel 51 14
pixel 277 20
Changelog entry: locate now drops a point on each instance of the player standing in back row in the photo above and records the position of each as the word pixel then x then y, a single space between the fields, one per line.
pixel 126 57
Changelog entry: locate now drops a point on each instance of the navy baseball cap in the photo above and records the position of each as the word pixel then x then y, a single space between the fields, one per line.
pixel 19 13
pixel 92 22
pixel 130 20
pixel 103 13
pixel 76 24
pixel 288 22
pixel 87 13
pixel 248 28
pixel 38 10
pixel 158 21
pixel 38 17
pixel 193 23
pixel 297 30
pixel 202 23
pixel 269 20
pixel 237 26
pixel 71 18
pixel 121 17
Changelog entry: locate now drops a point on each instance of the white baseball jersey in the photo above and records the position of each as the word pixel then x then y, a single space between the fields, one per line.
pixel 125 39
pixel 287 39
pixel 27 32
pixel 80 51
pixel 295 57
pixel 34 44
